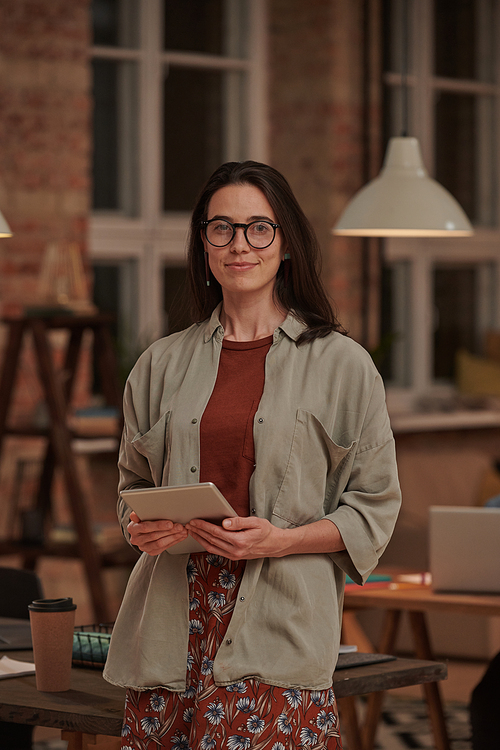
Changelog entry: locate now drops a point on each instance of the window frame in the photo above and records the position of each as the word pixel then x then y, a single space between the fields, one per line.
pixel 422 254
pixel 155 239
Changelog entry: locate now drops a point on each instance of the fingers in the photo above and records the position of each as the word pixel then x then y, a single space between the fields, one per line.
pixel 218 547
pixel 154 537
pixel 145 527
pixel 236 540
pixel 235 523
pixel 214 539
pixel 238 523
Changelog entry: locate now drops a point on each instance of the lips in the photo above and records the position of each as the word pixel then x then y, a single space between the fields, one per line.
pixel 240 266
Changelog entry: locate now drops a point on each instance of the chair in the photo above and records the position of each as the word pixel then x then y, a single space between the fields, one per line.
pixel 18 588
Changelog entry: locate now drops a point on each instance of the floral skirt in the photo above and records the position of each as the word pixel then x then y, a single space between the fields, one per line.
pixel 246 715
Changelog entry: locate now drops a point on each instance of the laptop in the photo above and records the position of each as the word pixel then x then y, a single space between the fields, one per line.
pixel 464 549
pixel 15 635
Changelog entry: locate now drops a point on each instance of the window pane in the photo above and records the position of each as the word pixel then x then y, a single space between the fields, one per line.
pixel 115 292
pixel 465 152
pixel 203 126
pixel 463 42
pixel 457 321
pixel 393 354
pixel 115 23
pixel 210 26
pixel 115 181
pixel 106 290
pixel 176 307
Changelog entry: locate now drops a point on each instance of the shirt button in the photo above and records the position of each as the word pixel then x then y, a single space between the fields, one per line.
pixel 242 598
pixel 229 641
pixel 194 421
pixel 261 419
pixel 253 511
pixel 193 469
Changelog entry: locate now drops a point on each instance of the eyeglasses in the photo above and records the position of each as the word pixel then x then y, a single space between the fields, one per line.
pixel 258 234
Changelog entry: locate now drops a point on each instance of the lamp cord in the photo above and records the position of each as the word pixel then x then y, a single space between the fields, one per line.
pixel 404 68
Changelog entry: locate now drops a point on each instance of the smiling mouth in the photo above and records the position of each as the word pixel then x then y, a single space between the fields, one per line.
pixel 240 266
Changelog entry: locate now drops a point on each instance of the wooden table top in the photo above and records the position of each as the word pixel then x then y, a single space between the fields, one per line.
pixel 420 598
pixel 96 707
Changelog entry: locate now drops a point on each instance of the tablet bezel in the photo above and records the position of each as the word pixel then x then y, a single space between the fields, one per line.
pixel 180 503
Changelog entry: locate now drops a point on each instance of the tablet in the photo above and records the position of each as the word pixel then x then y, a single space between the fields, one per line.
pixel 180 504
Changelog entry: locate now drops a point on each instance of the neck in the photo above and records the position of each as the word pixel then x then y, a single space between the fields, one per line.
pixel 249 321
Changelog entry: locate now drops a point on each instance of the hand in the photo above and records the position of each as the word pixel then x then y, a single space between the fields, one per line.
pixel 249 538
pixel 154 537
pixel 240 538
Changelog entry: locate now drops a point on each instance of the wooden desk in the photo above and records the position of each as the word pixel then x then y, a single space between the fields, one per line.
pixel 417 601
pixel 94 707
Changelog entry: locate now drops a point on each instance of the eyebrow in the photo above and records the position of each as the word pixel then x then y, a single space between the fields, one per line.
pixel 250 220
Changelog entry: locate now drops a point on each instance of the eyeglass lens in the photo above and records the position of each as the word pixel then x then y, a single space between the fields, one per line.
pixel 259 234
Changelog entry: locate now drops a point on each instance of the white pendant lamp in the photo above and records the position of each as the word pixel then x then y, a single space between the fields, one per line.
pixel 403 201
pixel 5 230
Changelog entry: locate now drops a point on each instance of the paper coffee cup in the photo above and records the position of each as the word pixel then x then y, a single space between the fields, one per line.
pixel 52 626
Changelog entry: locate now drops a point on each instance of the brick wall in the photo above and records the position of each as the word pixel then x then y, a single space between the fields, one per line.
pixel 318 133
pixel 45 112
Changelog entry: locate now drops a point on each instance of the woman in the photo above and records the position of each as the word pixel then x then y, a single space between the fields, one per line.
pixel 269 400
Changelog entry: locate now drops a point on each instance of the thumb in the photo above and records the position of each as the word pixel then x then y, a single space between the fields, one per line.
pixel 233 523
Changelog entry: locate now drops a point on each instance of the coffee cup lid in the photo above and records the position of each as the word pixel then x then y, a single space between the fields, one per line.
pixel 52 605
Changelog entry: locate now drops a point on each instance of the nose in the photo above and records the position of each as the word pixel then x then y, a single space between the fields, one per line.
pixel 239 242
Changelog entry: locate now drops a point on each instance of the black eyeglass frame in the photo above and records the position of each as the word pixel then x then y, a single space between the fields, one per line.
pixel 238 225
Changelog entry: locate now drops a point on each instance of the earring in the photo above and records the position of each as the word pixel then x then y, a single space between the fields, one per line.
pixel 286 267
pixel 207 269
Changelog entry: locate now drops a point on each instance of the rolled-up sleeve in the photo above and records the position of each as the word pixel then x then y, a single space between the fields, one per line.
pixel 369 505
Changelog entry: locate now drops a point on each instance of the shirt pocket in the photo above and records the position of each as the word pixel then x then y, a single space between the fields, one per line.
pixel 314 466
pixel 154 445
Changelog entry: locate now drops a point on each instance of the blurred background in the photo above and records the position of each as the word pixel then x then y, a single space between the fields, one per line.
pixel 114 112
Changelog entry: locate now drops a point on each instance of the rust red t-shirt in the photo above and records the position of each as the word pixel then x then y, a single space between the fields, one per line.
pixel 227 456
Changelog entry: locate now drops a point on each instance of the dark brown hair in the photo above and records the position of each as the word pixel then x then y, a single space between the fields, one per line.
pixel 304 294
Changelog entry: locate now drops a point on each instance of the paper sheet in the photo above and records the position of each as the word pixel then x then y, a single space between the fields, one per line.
pixel 346 649
pixel 12 668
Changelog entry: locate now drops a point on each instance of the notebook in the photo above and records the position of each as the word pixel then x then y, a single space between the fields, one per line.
pixel 464 549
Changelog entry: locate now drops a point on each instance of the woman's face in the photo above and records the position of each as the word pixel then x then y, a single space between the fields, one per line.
pixel 238 267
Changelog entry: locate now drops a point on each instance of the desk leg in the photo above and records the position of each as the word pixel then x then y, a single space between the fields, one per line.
pixel 84 741
pixel 74 740
pixel 432 691
pixel 375 700
pixel 353 634
pixel 349 726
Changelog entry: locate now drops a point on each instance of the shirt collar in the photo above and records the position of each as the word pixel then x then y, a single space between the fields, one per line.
pixel 291 326
pixel 214 325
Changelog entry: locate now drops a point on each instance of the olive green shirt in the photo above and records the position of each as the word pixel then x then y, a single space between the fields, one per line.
pixel 323 449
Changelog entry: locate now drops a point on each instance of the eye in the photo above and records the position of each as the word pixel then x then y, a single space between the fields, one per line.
pixel 222 227
pixel 260 227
